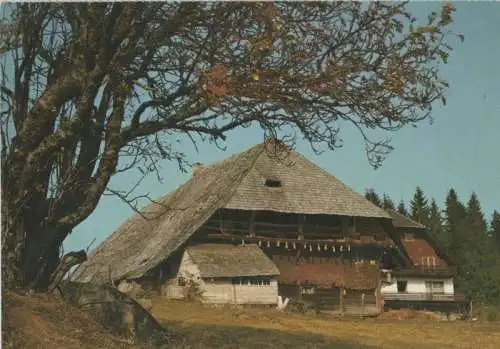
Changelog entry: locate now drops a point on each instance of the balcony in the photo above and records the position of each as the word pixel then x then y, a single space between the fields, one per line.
pixel 424 297
pixel 423 270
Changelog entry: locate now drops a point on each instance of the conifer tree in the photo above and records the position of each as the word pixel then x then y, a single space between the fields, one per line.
pixel 495 228
pixel 419 207
pixel 455 215
pixel 402 208
pixel 387 203
pixel 475 219
pixel 479 274
pixel 372 196
pixel 436 222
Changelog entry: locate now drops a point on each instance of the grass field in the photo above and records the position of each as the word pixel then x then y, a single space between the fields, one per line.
pixel 204 327
pixel 45 322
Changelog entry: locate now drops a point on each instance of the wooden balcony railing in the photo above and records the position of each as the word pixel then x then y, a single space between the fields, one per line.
pixel 424 297
pixel 429 268
pixel 424 269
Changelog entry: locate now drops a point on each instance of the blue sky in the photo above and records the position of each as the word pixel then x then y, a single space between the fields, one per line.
pixel 461 149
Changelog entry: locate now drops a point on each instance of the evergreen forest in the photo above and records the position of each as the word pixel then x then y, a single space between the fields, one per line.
pixel 469 238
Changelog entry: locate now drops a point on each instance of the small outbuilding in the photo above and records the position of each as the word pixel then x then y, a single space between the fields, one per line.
pixel 229 274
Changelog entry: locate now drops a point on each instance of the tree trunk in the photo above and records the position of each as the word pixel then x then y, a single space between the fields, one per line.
pixel 28 257
pixel 41 256
pixel 12 241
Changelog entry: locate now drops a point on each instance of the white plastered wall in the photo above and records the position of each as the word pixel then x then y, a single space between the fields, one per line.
pixel 417 284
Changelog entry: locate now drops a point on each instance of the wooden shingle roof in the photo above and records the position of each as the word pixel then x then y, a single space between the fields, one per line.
pixel 238 182
pixel 224 260
pixel 401 221
pixel 305 188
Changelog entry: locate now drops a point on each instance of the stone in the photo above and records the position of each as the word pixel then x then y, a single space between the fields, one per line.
pixel 116 311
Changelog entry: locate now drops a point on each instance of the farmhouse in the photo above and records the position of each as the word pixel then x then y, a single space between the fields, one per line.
pixel 427 282
pixel 326 241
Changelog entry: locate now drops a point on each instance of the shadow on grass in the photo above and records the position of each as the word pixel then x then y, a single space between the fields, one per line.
pixel 226 337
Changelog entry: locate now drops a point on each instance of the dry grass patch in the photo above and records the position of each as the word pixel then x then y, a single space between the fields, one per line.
pixel 41 321
pixel 391 334
pixel 203 336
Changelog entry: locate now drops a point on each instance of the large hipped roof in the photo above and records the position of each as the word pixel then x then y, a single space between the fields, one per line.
pixel 238 182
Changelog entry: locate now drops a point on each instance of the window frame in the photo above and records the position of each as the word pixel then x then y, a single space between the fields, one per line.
pixel 402 282
pixel 251 281
pixel 432 289
pixel 307 290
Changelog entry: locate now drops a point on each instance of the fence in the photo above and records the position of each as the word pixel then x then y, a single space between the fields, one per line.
pixel 424 297
pixel 333 300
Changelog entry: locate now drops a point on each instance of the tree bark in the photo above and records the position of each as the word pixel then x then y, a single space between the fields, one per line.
pixel 30 254
pixel 12 240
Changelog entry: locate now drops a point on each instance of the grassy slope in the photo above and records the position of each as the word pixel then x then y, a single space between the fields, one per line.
pixel 41 321
pixel 38 322
pixel 204 327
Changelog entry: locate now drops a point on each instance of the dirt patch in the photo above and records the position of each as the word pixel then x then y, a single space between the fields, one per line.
pixel 41 321
pixel 409 314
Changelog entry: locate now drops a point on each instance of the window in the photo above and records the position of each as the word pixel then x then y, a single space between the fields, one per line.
pixel 402 285
pixel 435 287
pixel 181 281
pixel 251 281
pixel 260 282
pixel 273 183
pixel 429 261
pixel 308 290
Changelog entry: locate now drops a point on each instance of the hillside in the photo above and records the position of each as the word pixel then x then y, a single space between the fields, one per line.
pixel 41 321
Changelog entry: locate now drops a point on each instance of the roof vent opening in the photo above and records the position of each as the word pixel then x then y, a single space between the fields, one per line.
pixel 273 183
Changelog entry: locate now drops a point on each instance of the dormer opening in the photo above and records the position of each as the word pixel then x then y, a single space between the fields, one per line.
pixel 273 183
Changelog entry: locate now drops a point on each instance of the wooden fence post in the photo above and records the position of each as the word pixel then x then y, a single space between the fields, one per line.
pixel 342 300
pixel 470 310
pixel 363 304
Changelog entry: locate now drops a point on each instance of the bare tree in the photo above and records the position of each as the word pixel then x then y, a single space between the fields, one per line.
pixel 84 85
